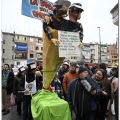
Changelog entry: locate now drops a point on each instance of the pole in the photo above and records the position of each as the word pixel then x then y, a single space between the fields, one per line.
pixel 100 43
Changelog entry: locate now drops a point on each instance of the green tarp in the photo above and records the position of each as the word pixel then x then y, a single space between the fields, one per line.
pixel 47 105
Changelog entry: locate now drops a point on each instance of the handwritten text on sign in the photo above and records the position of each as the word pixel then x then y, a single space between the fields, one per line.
pixel 69 42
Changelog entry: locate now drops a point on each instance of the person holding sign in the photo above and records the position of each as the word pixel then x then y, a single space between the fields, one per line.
pixel 29 85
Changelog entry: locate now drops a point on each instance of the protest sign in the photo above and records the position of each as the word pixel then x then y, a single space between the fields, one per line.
pixel 69 42
pixel 36 8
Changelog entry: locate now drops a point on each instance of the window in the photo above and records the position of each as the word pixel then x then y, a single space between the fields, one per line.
pixel 13 39
pixel 18 63
pixel 39 41
pixel 39 56
pixel 37 48
pixel 31 47
pixel 31 39
pixel 12 56
pixel 12 47
pixel 115 56
pixel 41 48
pixel 17 37
pixel 31 55
pixel 3 41
pixel 3 60
pixel 24 38
pixel 3 50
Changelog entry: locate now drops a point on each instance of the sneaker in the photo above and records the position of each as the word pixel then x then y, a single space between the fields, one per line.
pixel 6 112
pixel 3 110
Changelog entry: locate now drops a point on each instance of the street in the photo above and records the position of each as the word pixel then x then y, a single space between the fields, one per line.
pixel 13 115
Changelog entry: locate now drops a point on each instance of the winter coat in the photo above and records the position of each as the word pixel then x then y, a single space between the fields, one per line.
pixel 10 81
pixel 15 90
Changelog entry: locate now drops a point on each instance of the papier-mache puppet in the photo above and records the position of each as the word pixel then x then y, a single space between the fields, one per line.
pixel 51 60
pixel 71 25
pixel 46 105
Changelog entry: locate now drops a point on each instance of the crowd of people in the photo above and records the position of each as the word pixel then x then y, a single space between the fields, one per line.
pixel 89 91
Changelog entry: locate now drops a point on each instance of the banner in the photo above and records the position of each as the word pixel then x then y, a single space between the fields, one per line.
pixel 69 42
pixel 36 8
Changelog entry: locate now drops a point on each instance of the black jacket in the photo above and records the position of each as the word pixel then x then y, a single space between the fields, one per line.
pixel 15 90
pixel 64 25
pixel 10 81
pixel 29 78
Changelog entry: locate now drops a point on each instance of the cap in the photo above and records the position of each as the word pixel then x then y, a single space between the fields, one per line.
pixel 77 5
pixel 21 69
pixel 62 2
pixel 31 65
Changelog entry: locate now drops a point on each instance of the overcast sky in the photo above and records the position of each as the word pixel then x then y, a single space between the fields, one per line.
pixel 96 14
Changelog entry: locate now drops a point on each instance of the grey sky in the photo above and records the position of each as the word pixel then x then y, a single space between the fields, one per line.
pixel 96 14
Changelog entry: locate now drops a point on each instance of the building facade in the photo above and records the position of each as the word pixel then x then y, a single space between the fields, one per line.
pixel 115 19
pixel 17 48
pixel 7 48
pixel 112 55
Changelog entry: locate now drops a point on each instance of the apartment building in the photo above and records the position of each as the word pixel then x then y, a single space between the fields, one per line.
pixel 7 49
pixel 115 19
pixel 39 49
pixel 17 48
pixel 104 53
pixel 112 55
pixel 20 50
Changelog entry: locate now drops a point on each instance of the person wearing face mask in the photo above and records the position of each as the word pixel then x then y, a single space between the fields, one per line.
pixel 80 96
pixel 18 96
pixel 7 85
pixel 29 85
pixel 101 78
pixel 68 77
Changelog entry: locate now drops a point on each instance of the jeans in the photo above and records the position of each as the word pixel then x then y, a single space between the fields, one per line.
pixel 87 116
pixel 27 115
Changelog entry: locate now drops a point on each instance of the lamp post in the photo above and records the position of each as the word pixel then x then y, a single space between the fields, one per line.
pixel 100 43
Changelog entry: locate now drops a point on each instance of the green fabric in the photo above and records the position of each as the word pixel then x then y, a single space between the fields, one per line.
pixel 47 105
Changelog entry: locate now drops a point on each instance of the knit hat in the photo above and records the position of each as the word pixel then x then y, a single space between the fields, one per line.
pixel 31 65
pixel 82 69
pixel 21 69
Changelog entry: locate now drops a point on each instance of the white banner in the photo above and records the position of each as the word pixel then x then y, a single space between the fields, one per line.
pixel 69 42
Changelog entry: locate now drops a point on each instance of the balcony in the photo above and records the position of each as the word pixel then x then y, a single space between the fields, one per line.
pixel 116 20
pixel 22 58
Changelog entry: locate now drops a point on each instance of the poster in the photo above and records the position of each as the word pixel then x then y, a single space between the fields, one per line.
pixel 69 42
pixel 36 8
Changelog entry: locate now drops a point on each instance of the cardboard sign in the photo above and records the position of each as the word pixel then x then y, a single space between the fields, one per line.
pixel 69 42
pixel 36 8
